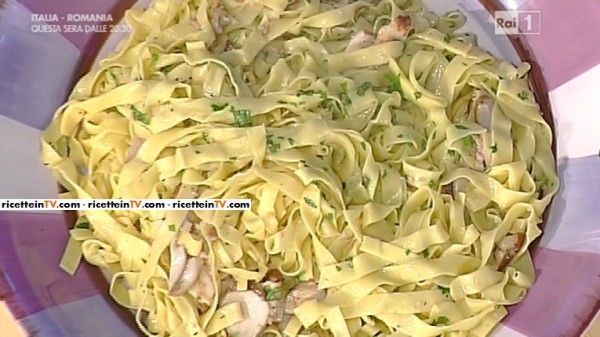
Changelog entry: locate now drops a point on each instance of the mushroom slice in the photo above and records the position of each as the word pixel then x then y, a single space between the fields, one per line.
pixel 178 262
pixel 483 154
pixel 507 248
pixel 204 289
pixel 255 310
pixel 396 30
pixel 303 292
pixel 360 40
pixel 481 107
pixel 220 18
pixel 187 278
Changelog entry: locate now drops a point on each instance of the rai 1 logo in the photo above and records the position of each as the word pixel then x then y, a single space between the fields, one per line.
pixel 517 23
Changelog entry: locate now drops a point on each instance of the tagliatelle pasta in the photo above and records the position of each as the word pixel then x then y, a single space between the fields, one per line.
pixel 398 171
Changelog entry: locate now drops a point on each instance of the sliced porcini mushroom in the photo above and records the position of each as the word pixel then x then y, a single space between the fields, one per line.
pixel 483 153
pixel 276 311
pixel 481 107
pixel 178 262
pixel 458 185
pixel 255 310
pixel 303 292
pixel 397 30
pixel 188 277
pixel 204 290
pixel 360 40
pixel 134 147
pixel 220 18
pixel 507 248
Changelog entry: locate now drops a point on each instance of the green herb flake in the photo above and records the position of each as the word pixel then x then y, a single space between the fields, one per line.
pixel 418 95
pixel 310 202
pixel 425 253
pixel 523 95
pixel 329 217
pixel 273 294
pixel 450 56
pixel 468 142
pixel 140 116
pixel 155 57
pixel 344 97
pixel 350 262
pixel 494 90
pixel 219 107
pixel 172 228
pixel 494 148
pixel 241 117
pixel 83 225
pixel 363 88
pixel 205 137
pixel 343 185
pixel 272 146
pixel 233 158
pixel 433 184
pixel 366 181
pixel 395 81
pixel 167 69
pixel 441 320
pixel 338 268
pixel 445 291
pixel 461 127
pixel 451 25
pixel 291 141
pixel 363 145
pixel 407 252
pixel 447 38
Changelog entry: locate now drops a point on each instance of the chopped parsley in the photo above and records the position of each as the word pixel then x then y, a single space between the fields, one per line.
pixel 344 94
pixel 310 202
pixel 447 38
pixel 241 117
pixel 338 268
pixel 366 181
pixel 273 294
pixel 291 141
pixel 468 141
pixel 343 185
pixel 441 320
pixel 407 252
pixel 433 184
pixel 494 90
pixel 172 228
pixel 461 127
pixel 205 137
pixel 219 107
pixel 166 69
pixel 425 253
pixel 329 217
pixel 350 262
pixel 311 92
pixel 271 145
pixel 494 148
pixel 395 81
pixel 140 116
pixel 363 88
pixel 363 145
pixel 523 95
pixel 450 56
pixel 233 158
pixel 445 291
pixel 155 57
pixel 418 95
pixel 83 225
